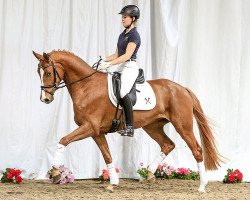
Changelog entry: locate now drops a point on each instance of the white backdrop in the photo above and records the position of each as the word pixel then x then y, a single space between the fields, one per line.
pixel 201 44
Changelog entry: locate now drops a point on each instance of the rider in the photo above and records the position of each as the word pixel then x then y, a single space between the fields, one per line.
pixel 128 44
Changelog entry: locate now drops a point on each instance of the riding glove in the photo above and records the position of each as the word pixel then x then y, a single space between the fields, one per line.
pixel 103 66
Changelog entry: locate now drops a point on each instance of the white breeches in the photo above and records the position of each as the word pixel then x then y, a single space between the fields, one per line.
pixel 129 72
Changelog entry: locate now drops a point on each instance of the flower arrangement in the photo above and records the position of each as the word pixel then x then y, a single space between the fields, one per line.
pixel 165 171
pixel 186 174
pixel 105 174
pixel 142 171
pixel 169 172
pixel 63 174
pixel 12 175
pixel 233 176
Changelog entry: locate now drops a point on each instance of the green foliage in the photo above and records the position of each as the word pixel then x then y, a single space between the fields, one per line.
pixel 4 178
pixel 143 172
pixel 168 172
pixel 191 176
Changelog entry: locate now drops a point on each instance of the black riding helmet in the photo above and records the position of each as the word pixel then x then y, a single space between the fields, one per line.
pixel 131 10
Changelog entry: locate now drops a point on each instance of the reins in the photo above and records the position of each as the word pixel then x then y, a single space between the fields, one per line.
pixel 95 66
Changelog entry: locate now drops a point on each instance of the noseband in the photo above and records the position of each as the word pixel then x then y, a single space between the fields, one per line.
pixel 56 74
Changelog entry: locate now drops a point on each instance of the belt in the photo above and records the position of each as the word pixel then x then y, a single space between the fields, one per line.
pixel 132 59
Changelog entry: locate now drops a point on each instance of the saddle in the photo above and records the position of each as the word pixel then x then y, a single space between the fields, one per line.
pixel 116 80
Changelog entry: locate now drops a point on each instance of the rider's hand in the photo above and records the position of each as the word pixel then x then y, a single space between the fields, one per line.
pixel 103 66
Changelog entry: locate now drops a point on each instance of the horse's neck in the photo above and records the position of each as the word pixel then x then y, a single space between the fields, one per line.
pixel 75 69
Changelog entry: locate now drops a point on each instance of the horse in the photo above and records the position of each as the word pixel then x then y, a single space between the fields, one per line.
pixel 174 103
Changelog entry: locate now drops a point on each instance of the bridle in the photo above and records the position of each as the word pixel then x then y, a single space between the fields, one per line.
pixel 56 74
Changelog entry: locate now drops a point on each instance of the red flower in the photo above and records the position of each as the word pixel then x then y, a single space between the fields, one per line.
pixel 238 175
pixel 183 171
pixel 17 172
pixel 19 179
pixel 105 176
pixel 12 171
pixel 159 167
pixel 117 170
pixel 231 177
pixel 105 172
pixel 10 175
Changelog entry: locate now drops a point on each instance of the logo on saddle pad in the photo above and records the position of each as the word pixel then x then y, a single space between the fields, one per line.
pixel 147 100
pixel 145 97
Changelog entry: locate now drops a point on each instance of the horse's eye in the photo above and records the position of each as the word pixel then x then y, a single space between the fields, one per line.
pixel 48 74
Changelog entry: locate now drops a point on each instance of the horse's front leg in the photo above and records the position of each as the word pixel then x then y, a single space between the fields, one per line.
pixel 80 133
pixel 103 146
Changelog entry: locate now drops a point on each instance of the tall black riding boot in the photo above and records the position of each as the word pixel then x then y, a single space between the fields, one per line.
pixel 129 119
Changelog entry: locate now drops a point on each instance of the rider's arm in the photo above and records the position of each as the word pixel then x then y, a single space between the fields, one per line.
pixel 113 56
pixel 129 52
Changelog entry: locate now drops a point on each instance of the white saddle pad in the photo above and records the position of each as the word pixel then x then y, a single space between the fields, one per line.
pixel 146 99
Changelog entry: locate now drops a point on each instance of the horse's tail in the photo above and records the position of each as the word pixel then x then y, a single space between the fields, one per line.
pixel 212 159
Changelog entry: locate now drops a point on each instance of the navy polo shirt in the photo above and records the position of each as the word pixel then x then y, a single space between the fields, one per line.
pixel 125 38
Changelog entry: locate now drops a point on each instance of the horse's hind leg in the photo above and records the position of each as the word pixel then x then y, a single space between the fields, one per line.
pixel 183 123
pixel 156 132
pixel 103 146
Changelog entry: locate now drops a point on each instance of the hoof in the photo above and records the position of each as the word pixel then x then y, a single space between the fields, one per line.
pixel 54 172
pixel 201 190
pixel 110 188
pixel 151 179
pixel 56 179
pixel 55 175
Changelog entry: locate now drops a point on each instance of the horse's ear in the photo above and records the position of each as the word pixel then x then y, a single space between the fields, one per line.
pixel 45 56
pixel 37 55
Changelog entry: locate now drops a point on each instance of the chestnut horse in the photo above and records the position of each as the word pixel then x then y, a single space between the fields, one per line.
pixel 94 111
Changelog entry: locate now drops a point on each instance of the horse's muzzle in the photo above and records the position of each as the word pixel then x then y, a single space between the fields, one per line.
pixel 47 100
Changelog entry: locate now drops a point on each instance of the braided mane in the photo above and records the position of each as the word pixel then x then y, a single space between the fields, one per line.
pixel 63 51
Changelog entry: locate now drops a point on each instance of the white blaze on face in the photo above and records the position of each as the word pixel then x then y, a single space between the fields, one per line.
pixel 41 74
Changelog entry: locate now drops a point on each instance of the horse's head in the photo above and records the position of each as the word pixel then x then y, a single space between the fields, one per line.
pixel 51 74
